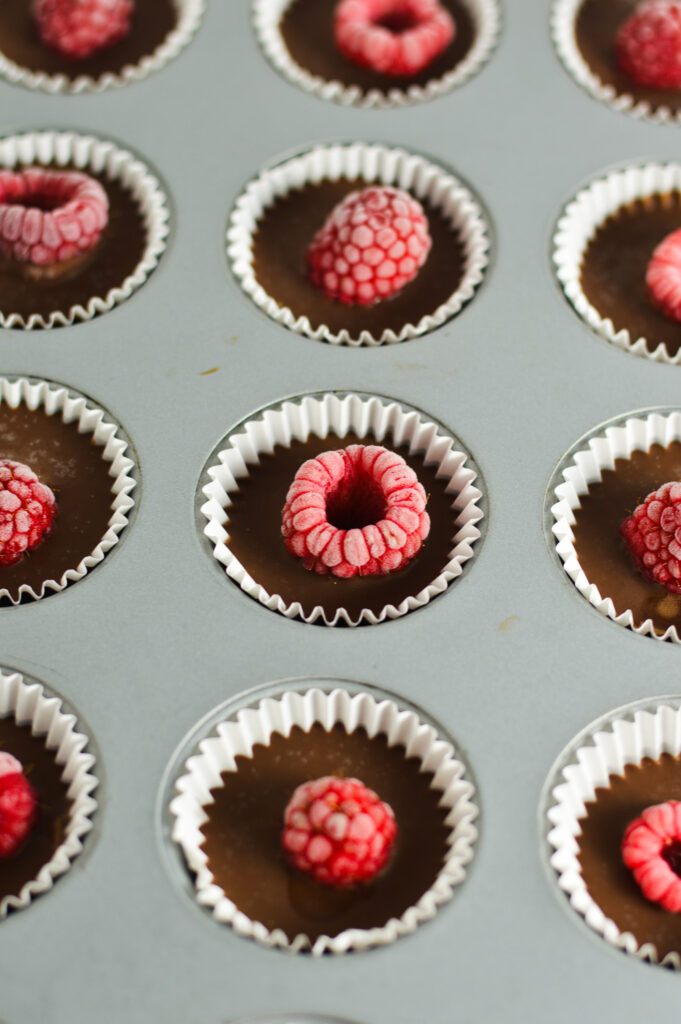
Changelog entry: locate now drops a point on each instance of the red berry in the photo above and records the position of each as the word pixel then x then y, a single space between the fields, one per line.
pixel 360 510
pixel 18 805
pixel 651 847
pixel 663 276
pixel 648 44
pixel 48 216
pixel 27 511
pixel 653 536
pixel 79 28
pixel 338 831
pixel 371 245
pixel 393 37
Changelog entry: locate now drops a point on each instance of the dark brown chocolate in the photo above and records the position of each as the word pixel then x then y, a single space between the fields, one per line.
pixel 600 549
pixel 255 534
pixel 595 31
pixel 19 40
pixel 72 465
pixel 44 774
pixel 243 832
pixel 307 29
pixel 614 267
pixel 285 232
pixel 609 882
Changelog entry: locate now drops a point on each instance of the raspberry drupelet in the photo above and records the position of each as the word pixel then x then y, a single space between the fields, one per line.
pixel 338 831
pixel 663 276
pixel 18 805
pixel 648 45
pixel 651 847
pixel 393 37
pixel 360 510
pixel 77 29
pixel 371 245
pixel 27 511
pixel 653 536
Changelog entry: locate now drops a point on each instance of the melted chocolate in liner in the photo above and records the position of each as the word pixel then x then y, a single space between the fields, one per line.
pixel 255 534
pixel 72 465
pixel 601 550
pixel 609 882
pixel 614 268
pixel 152 22
pixel 44 774
pixel 596 27
pixel 118 252
pixel 243 832
pixel 285 232
pixel 307 29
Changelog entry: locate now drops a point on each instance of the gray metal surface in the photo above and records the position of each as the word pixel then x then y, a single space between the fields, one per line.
pixel 510 659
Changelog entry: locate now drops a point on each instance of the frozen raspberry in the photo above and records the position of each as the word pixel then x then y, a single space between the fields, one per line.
pixel 79 28
pixel 338 831
pixel 27 511
pixel 648 44
pixel 360 510
pixel 663 276
pixel 371 245
pixel 18 805
pixel 653 536
pixel 48 217
pixel 393 37
pixel 651 847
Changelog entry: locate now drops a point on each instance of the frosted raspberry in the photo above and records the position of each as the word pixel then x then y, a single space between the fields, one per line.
pixel 360 510
pixel 663 276
pixel 648 44
pixel 79 28
pixel 27 511
pixel 371 245
pixel 338 831
pixel 651 847
pixel 18 805
pixel 653 536
pixel 394 37
pixel 48 217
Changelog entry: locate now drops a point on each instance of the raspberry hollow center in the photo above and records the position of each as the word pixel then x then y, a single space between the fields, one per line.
pixel 354 504
pixel 672 855
pixel 397 22
pixel 38 201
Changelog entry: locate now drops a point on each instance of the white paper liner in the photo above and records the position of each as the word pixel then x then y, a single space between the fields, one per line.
pixel 618 441
pixel 71 407
pixel 563 16
pixel 267 15
pixel 256 725
pixel 296 420
pixel 577 226
pixel 189 14
pixel 372 163
pixel 28 703
pixel 605 748
pixel 89 154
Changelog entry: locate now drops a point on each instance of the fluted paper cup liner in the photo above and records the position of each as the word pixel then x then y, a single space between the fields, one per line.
pixel 648 728
pixel 189 15
pixel 28 704
pixel 96 156
pixel 584 466
pixel 380 421
pixel 253 725
pixel 71 407
pixel 373 164
pixel 267 15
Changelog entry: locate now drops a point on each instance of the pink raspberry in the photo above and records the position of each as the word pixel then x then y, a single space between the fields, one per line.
pixel 27 511
pixel 49 217
pixel 18 805
pixel 371 245
pixel 79 28
pixel 663 276
pixel 651 847
pixel 338 831
pixel 360 510
pixel 394 37
pixel 653 536
pixel 648 44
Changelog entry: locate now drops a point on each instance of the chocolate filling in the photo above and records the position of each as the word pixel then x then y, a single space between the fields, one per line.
pixel 255 534
pixel 307 30
pixel 609 882
pixel 41 769
pixel 243 832
pixel 613 275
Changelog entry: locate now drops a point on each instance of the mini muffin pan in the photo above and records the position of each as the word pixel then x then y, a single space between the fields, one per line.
pixel 510 658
